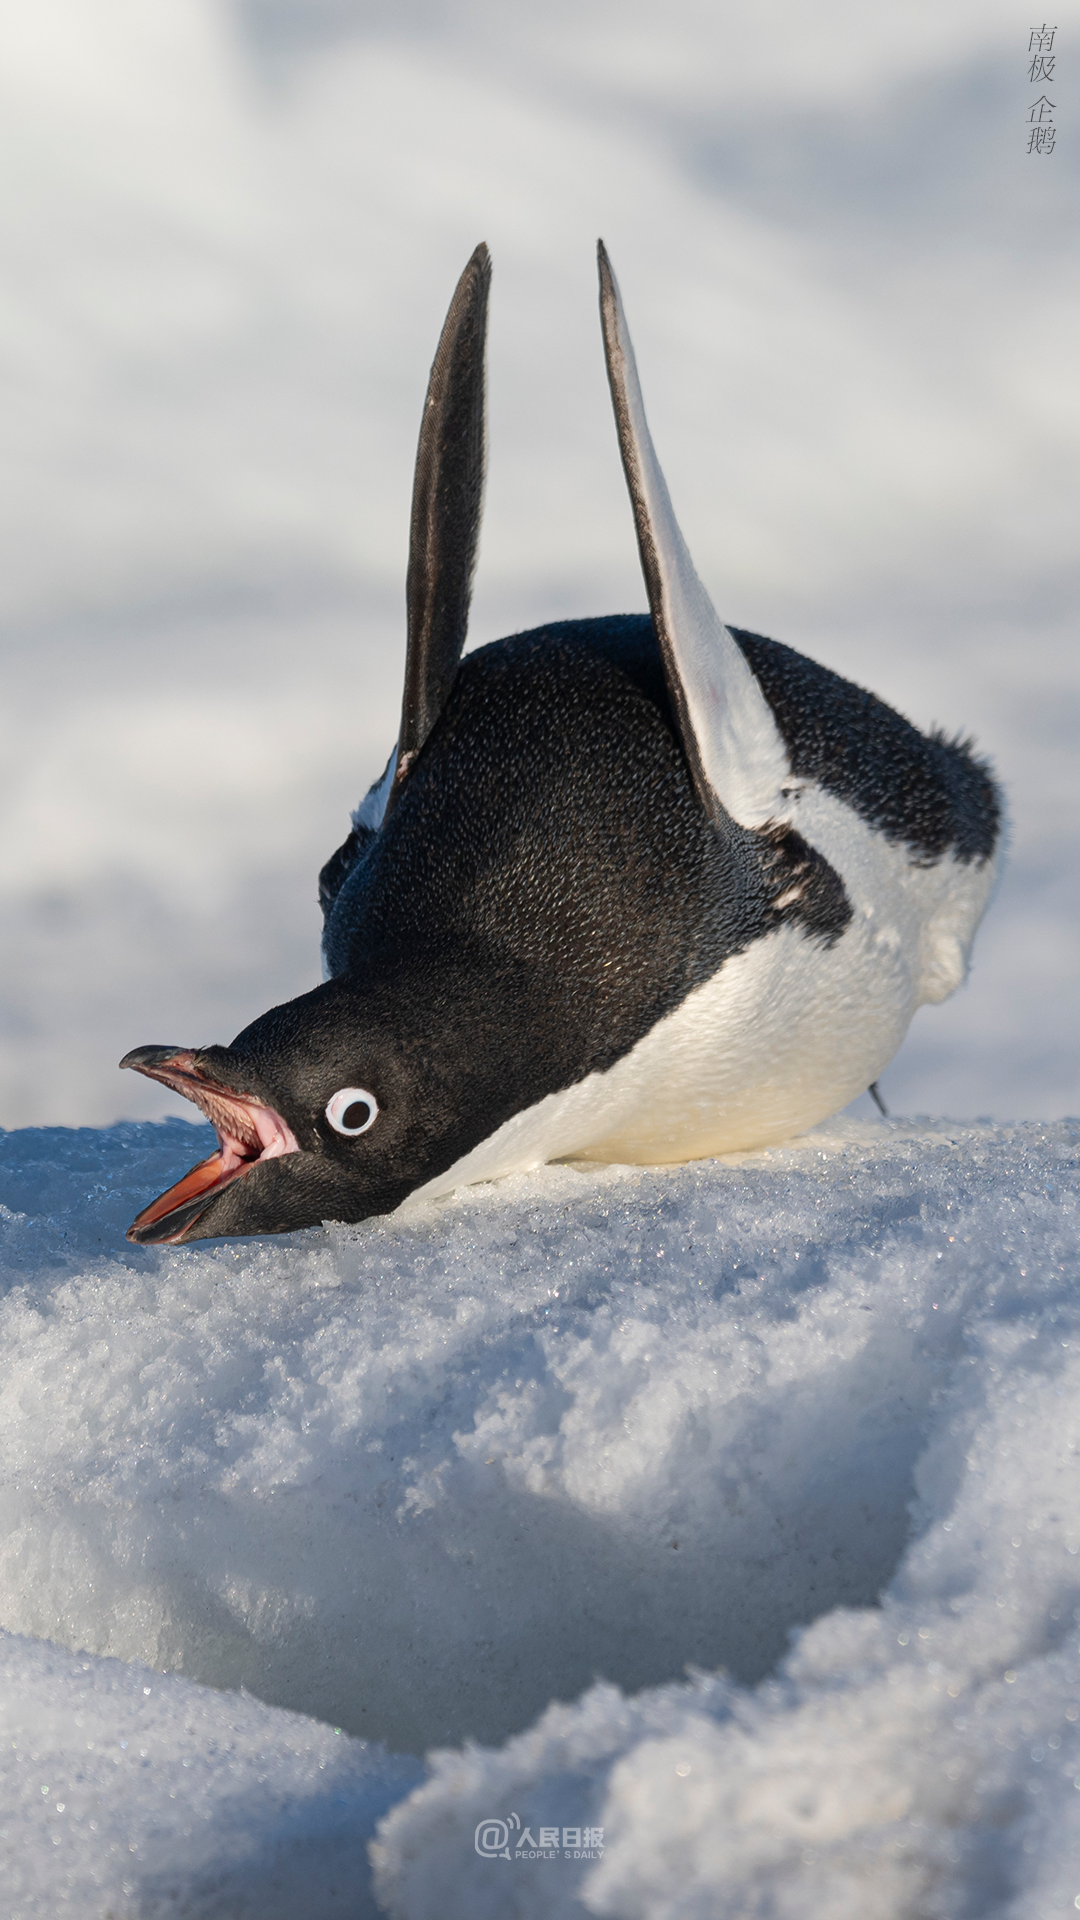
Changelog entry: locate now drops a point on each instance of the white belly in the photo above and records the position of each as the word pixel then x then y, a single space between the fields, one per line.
pixel 782 1036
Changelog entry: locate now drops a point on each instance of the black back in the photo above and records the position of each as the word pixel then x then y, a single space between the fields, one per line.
pixel 925 792
pixel 551 827
pixel 922 791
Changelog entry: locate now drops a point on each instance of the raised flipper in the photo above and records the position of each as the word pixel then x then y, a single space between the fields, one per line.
pixel 448 488
pixel 737 758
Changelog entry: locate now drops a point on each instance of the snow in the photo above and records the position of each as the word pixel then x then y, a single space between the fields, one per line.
pixel 124 1791
pixel 423 1480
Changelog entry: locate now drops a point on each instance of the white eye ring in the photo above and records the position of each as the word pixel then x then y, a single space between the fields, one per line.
pixel 341 1107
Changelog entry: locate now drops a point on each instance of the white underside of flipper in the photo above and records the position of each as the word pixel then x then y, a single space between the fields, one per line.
pixel 726 723
pixel 782 1036
pixel 368 815
pixel 372 809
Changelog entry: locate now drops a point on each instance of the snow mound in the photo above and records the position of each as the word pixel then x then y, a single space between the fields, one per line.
pixel 567 1436
pixel 921 1758
pixel 127 1792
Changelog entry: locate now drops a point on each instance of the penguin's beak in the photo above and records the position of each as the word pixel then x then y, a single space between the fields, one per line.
pixel 248 1133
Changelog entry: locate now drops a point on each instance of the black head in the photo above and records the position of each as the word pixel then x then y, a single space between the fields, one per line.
pixel 340 1103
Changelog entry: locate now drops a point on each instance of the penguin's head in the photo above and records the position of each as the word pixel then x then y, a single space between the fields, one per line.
pixel 340 1103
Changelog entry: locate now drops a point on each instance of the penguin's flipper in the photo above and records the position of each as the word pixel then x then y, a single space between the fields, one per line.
pixel 737 758
pixel 448 488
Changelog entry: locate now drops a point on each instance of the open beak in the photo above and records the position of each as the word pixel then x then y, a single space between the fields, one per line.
pixel 247 1132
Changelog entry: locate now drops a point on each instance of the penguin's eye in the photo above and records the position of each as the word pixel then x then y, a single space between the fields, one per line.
pixel 352 1110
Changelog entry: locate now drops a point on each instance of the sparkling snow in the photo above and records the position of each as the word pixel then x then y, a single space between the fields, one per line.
pixel 124 1792
pixel 551 1441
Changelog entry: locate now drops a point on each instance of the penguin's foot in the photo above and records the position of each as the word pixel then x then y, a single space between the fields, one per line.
pixel 247 1132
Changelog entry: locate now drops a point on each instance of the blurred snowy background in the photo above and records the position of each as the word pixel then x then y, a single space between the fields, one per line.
pixel 230 232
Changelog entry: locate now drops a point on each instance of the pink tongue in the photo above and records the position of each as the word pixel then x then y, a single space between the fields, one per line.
pixel 233 1121
pixel 267 1134
pixel 243 1126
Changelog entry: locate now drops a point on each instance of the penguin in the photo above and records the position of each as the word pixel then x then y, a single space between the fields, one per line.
pixel 643 888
